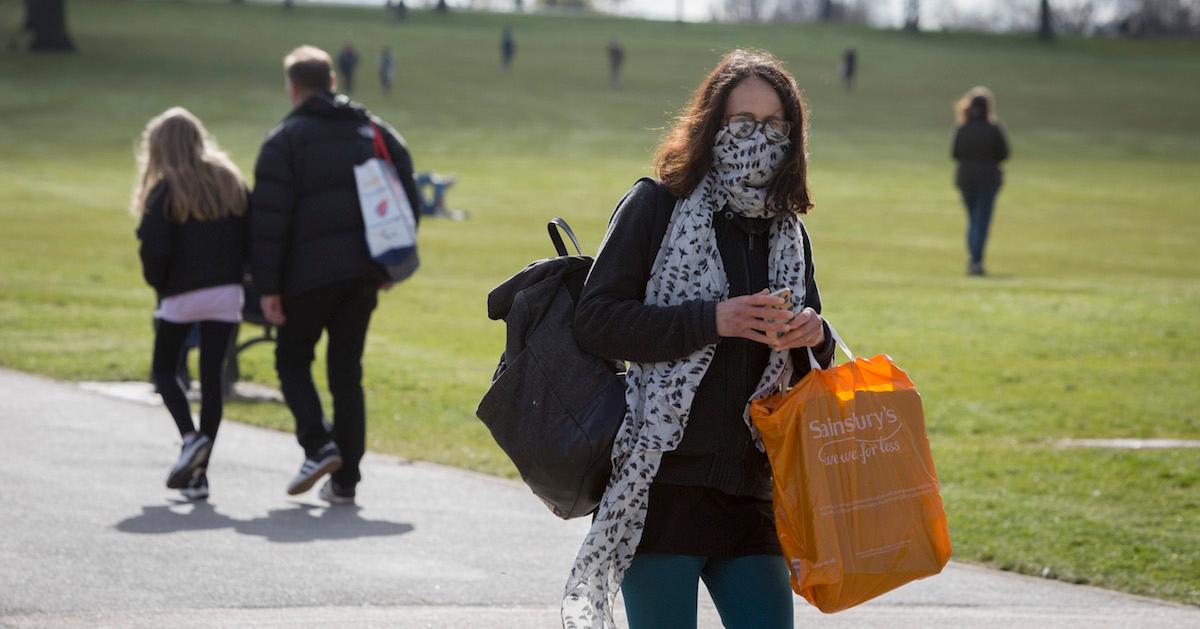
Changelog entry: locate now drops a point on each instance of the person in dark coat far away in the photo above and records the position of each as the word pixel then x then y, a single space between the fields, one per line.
pixel 616 58
pixel 849 67
pixel 508 48
pixel 347 62
pixel 979 147
pixel 387 70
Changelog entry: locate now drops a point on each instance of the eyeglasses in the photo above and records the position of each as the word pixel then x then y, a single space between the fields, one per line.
pixel 742 126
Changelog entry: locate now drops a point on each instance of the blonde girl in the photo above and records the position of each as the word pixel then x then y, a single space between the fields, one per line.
pixel 191 201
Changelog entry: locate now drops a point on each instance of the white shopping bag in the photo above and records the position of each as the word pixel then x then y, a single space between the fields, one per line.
pixel 391 227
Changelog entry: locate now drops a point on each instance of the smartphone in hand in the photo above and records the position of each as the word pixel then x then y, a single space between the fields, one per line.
pixel 786 295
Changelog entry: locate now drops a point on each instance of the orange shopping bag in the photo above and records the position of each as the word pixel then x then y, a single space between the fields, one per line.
pixel 857 507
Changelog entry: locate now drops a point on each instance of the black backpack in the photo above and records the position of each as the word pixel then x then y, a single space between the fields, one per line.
pixel 553 408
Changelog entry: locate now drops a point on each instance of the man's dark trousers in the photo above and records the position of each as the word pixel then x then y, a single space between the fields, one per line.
pixel 343 309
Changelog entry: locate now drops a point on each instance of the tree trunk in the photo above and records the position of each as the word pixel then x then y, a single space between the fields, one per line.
pixel 1046 27
pixel 825 13
pixel 912 18
pixel 46 21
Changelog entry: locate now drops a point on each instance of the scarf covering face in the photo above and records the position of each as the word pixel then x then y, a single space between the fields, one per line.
pixel 659 395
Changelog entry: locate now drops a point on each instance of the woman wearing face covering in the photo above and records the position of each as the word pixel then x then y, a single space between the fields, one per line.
pixel 681 289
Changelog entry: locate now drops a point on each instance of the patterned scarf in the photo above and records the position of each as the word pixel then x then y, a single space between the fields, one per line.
pixel 659 395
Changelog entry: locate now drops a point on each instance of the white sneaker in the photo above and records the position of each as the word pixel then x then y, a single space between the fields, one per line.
pixel 197 488
pixel 193 454
pixel 335 494
pixel 328 460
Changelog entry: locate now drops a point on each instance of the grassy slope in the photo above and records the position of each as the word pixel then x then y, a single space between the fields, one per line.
pixel 1088 327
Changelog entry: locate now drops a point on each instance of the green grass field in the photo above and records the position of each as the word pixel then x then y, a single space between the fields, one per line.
pixel 1089 325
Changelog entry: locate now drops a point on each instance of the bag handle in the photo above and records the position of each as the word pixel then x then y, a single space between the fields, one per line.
pixel 553 226
pixel 381 150
pixel 812 359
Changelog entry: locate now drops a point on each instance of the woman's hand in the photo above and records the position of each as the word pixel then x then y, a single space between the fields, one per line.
pixel 747 317
pixel 807 330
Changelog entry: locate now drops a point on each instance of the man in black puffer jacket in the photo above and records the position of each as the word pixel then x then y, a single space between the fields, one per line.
pixel 311 263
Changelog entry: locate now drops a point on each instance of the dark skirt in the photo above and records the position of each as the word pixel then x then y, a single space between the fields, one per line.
pixel 701 521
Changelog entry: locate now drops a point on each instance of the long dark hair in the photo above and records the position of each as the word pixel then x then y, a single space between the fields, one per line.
pixel 686 153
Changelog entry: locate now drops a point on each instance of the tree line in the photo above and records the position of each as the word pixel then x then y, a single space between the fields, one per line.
pixel 44 25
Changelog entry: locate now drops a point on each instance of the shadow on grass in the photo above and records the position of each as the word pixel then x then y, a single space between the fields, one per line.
pixel 297 524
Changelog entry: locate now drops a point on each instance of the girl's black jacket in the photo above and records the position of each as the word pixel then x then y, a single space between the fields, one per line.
pixel 180 257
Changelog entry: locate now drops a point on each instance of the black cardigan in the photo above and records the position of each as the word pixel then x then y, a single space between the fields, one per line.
pixel 180 257
pixel 612 321
pixel 979 147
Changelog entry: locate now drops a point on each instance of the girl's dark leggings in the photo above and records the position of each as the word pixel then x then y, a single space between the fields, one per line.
pixel 169 340
pixel 754 591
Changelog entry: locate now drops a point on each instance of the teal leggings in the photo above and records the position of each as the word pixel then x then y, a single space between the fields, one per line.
pixel 754 591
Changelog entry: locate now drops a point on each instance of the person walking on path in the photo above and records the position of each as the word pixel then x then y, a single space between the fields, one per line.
pixel 508 48
pixel 311 263
pixel 192 203
pixel 347 63
pixel 979 147
pixel 387 70
pixel 685 289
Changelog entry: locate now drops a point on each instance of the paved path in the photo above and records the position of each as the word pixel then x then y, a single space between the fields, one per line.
pixel 90 538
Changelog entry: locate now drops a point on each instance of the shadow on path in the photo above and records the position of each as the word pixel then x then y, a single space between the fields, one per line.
pixel 299 523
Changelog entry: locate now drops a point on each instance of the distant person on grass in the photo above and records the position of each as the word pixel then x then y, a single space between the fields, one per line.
pixel 849 67
pixel 312 266
pixel 616 58
pixel 680 289
pixel 347 63
pixel 508 48
pixel 192 202
pixel 979 147
pixel 387 70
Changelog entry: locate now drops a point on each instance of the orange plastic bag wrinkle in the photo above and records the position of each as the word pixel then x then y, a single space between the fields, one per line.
pixel 857 505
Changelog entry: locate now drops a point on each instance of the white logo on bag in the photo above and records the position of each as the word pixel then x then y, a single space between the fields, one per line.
pixel 857 448
pixel 854 423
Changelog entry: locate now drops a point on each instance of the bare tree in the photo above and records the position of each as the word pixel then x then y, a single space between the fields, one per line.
pixel 1077 18
pixel 1045 22
pixel 912 15
pixel 1161 17
pixel 795 10
pixel 828 11
pixel 742 10
pixel 46 21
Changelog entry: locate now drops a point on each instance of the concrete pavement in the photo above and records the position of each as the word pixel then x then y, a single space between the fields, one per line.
pixel 89 537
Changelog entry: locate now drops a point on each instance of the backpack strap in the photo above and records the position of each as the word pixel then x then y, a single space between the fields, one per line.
pixel 381 150
pixel 553 226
